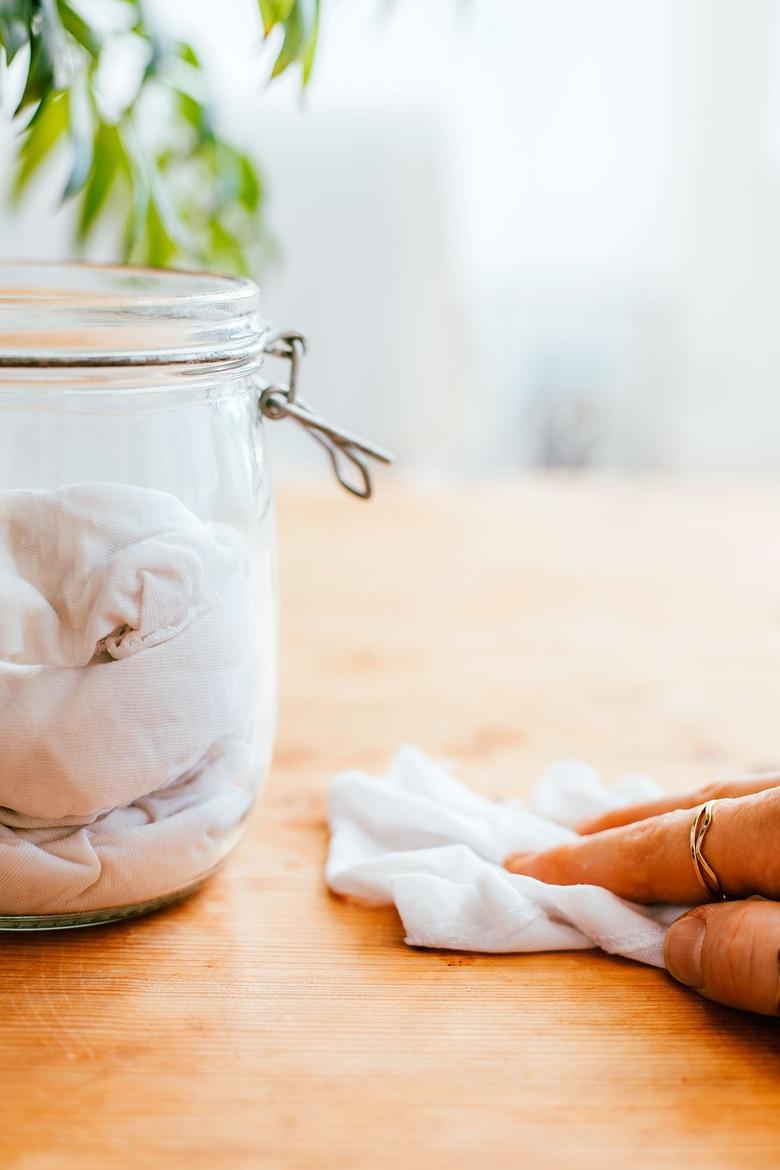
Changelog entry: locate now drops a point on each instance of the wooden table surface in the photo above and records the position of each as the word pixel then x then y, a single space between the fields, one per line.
pixel 264 1024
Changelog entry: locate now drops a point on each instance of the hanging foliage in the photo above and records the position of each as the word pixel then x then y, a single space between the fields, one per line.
pixel 178 190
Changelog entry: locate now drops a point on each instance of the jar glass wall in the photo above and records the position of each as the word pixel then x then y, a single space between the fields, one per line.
pixel 137 586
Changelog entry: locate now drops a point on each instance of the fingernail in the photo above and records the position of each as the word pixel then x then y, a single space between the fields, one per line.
pixel 682 949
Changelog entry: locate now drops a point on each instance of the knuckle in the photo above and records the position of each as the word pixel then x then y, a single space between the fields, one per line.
pixel 642 843
pixel 556 864
pixel 564 864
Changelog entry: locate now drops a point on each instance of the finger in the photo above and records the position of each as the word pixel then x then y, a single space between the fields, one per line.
pixel 729 952
pixel 650 860
pixel 743 786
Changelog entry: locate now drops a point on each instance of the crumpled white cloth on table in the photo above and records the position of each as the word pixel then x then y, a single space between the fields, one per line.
pixel 127 694
pixel 419 839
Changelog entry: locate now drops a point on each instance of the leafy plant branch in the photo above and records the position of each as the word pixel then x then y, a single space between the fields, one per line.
pixel 179 191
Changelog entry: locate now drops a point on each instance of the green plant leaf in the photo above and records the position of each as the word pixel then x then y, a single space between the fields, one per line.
pixel 78 28
pixel 310 47
pixel 15 26
pixel 251 190
pixel 44 132
pixel 135 219
pixel 274 12
pixel 294 36
pixel 183 192
pixel 168 211
pixel 158 246
pixel 188 55
pixel 226 248
pixel 40 81
pixel 301 25
pixel 81 136
pixel 108 163
pixel 195 113
pixel 53 36
pixel 228 173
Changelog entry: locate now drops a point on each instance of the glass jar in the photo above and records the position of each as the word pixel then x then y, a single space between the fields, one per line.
pixel 138 632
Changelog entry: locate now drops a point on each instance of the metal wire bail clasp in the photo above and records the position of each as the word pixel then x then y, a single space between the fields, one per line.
pixel 284 402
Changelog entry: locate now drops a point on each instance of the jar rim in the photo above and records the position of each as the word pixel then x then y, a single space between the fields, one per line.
pixel 84 315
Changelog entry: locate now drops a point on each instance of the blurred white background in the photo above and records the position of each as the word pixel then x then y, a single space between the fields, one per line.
pixel 518 232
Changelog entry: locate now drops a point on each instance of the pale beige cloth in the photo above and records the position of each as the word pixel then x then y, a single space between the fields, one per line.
pixel 127 691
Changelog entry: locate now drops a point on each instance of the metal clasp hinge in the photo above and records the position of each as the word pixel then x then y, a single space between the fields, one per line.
pixel 277 402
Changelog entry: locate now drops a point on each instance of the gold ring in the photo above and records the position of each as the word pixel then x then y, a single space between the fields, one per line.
pixel 705 873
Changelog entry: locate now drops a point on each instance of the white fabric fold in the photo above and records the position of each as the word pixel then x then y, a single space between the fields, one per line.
pixel 128 693
pixel 420 840
pixel 158 844
pixel 126 646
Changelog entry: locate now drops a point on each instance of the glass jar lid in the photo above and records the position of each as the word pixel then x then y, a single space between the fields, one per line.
pixel 78 315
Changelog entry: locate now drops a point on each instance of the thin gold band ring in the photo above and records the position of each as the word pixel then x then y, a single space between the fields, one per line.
pixel 705 873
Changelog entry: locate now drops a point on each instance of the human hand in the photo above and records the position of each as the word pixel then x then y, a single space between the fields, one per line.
pixel 728 951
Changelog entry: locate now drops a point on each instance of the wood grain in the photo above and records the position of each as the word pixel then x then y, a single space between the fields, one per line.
pixel 263 1024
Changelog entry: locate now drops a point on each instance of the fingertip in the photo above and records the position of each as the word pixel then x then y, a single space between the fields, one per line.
pixel 730 953
pixel 517 862
pixel 683 949
pixel 592 825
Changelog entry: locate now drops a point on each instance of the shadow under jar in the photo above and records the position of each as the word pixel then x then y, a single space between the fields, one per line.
pixel 137 586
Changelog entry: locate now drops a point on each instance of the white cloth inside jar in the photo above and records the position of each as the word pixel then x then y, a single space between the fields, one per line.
pixel 127 695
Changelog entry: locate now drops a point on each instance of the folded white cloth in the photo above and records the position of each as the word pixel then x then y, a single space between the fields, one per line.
pixel 422 841
pixel 158 844
pixel 126 646
pixel 128 690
